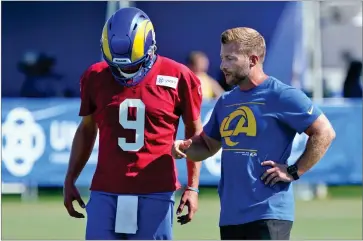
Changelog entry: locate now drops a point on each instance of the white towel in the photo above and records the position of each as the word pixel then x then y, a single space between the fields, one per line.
pixel 126 214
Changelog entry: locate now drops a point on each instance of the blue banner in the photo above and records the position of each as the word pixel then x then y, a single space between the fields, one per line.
pixel 37 137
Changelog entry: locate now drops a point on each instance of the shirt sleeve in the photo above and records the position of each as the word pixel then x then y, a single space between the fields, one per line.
pixel 190 96
pixel 297 110
pixel 211 129
pixel 88 106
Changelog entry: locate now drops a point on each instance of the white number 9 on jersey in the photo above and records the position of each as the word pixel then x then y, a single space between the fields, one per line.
pixel 138 125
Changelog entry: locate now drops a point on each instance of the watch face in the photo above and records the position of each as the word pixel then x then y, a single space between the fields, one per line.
pixel 292 169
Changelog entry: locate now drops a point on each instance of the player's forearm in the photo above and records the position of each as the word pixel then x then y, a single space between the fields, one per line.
pixel 316 147
pixel 193 173
pixel 193 168
pixel 82 146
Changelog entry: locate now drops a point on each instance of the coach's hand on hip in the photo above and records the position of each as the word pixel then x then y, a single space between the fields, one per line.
pixel 277 173
pixel 179 148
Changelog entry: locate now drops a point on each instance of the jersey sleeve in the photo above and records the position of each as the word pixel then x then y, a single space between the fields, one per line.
pixel 211 129
pixel 87 104
pixel 190 94
pixel 297 110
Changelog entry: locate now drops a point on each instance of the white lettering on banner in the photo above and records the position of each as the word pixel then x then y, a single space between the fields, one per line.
pixel 61 136
pixel 63 158
pixel 213 163
pixel 23 142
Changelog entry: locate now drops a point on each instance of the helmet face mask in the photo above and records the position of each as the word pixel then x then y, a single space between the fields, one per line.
pixel 128 45
pixel 124 69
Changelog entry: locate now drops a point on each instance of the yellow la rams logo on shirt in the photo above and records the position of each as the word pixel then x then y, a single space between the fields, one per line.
pixel 246 124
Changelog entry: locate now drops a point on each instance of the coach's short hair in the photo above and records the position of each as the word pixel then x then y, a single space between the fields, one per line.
pixel 252 41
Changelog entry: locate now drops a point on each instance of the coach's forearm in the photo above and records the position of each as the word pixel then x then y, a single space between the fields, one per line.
pixel 198 150
pixel 83 142
pixel 316 147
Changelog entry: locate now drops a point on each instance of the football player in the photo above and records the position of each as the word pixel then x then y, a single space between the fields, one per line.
pixel 134 98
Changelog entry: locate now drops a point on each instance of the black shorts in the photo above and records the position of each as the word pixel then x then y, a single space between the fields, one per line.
pixel 258 230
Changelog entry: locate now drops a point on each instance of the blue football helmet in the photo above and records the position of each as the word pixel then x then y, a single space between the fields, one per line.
pixel 128 45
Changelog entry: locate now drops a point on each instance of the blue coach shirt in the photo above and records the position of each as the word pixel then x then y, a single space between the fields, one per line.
pixel 253 126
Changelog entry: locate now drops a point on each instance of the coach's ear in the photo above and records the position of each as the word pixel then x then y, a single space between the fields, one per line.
pixel 254 60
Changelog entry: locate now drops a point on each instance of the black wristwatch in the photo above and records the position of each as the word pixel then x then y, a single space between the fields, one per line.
pixel 292 170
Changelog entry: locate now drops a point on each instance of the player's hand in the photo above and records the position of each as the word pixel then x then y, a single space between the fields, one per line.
pixel 179 148
pixel 70 194
pixel 277 173
pixel 189 199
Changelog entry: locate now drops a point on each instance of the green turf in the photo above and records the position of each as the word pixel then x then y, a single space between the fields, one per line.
pixel 338 217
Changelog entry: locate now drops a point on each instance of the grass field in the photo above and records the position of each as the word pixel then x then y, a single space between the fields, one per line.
pixel 339 217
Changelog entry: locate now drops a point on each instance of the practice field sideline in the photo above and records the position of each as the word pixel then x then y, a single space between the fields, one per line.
pixel 334 218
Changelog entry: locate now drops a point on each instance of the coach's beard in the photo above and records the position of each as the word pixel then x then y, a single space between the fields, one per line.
pixel 242 79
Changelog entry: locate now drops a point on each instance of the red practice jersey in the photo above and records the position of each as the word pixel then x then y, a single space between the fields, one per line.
pixel 138 125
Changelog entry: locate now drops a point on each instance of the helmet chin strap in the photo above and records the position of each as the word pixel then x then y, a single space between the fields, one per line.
pixel 129 76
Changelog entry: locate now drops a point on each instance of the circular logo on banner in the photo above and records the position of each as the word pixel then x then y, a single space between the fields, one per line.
pixel 23 142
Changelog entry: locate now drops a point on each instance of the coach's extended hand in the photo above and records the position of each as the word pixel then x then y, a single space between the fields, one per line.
pixel 71 193
pixel 189 199
pixel 179 148
pixel 277 173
